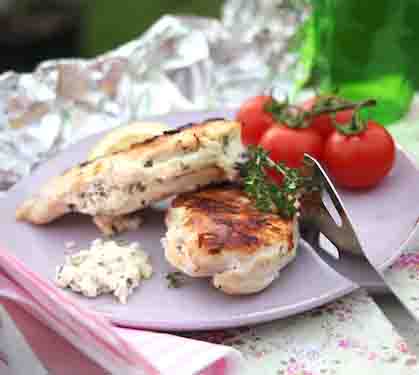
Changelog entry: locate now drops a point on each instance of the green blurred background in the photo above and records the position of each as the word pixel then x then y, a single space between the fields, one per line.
pixel 36 30
pixel 108 24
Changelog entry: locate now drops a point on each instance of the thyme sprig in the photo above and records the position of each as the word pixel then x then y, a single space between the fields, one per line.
pixel 175 279
pixel 269 196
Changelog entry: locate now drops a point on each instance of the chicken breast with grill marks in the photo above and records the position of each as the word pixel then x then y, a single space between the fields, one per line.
pixel 219 233
pixel 121 183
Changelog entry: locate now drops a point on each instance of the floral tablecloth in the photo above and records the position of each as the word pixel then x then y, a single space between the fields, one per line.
pixel 349 336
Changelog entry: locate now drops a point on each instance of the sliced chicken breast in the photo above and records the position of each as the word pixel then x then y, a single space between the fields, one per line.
pixel 115 185
pixel 218 232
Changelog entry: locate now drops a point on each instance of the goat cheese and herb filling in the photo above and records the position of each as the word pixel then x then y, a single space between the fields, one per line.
pixel 106 267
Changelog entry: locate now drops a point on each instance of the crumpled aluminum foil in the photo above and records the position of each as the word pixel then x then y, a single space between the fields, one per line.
pixel 179 64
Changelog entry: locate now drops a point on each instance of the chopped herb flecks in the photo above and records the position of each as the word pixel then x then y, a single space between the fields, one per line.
pixel 175 279
pixel 148 163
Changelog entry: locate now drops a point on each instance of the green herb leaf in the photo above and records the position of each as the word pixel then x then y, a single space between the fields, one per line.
pixel 270 197
pixel 175 279
pixel 368 48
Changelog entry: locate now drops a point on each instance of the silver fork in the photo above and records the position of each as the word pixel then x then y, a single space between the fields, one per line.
pixel 316 219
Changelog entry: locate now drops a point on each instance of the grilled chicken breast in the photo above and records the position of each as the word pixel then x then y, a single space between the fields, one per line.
pixel 121 183
pixel 218 232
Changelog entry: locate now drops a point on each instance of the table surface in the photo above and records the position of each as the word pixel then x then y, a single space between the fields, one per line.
pixel 350 334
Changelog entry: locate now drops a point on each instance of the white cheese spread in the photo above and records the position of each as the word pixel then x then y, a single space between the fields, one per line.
pixel 106 267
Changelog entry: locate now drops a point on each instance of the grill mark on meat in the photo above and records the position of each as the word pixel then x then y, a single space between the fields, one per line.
pixel 211 206
pixel 148 163
pixel 198 141
pixel 211 241
pixel 151 140
pixel 193 124
pixel 226 218
pixel 184 166
pixel 138 187
pixel 226 237
pixel 179 129
pixel 212 119
pixel 290 241
pixel 239 231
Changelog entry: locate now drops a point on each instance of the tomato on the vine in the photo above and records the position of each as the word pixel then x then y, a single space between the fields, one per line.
pixel 357 153
pixel 254 118
pixel 323 123
pixel 360 160
pixel 288 145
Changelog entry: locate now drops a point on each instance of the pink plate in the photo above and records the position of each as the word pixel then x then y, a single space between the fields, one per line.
pixel 385 218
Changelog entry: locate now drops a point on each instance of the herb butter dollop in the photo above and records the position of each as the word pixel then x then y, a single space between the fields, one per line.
pixel 105 267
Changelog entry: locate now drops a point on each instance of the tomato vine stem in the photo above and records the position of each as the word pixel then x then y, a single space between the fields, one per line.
pixel 295 117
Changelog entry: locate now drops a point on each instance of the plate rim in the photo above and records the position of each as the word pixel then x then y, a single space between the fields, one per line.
pixel 250 318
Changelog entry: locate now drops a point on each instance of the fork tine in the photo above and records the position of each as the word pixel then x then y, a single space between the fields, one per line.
pixel 342 236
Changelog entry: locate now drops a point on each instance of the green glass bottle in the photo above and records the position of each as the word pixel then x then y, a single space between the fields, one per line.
pixel 367 49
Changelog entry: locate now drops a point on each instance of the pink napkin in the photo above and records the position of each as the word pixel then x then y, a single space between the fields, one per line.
pixel 118 350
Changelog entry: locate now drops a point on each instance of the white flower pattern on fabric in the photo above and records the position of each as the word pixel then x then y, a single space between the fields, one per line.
pixel 330 340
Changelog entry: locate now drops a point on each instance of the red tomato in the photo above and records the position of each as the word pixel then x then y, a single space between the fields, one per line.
pixel 361 160
pixel 288 145
pixel 255 121
pixel 323 124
